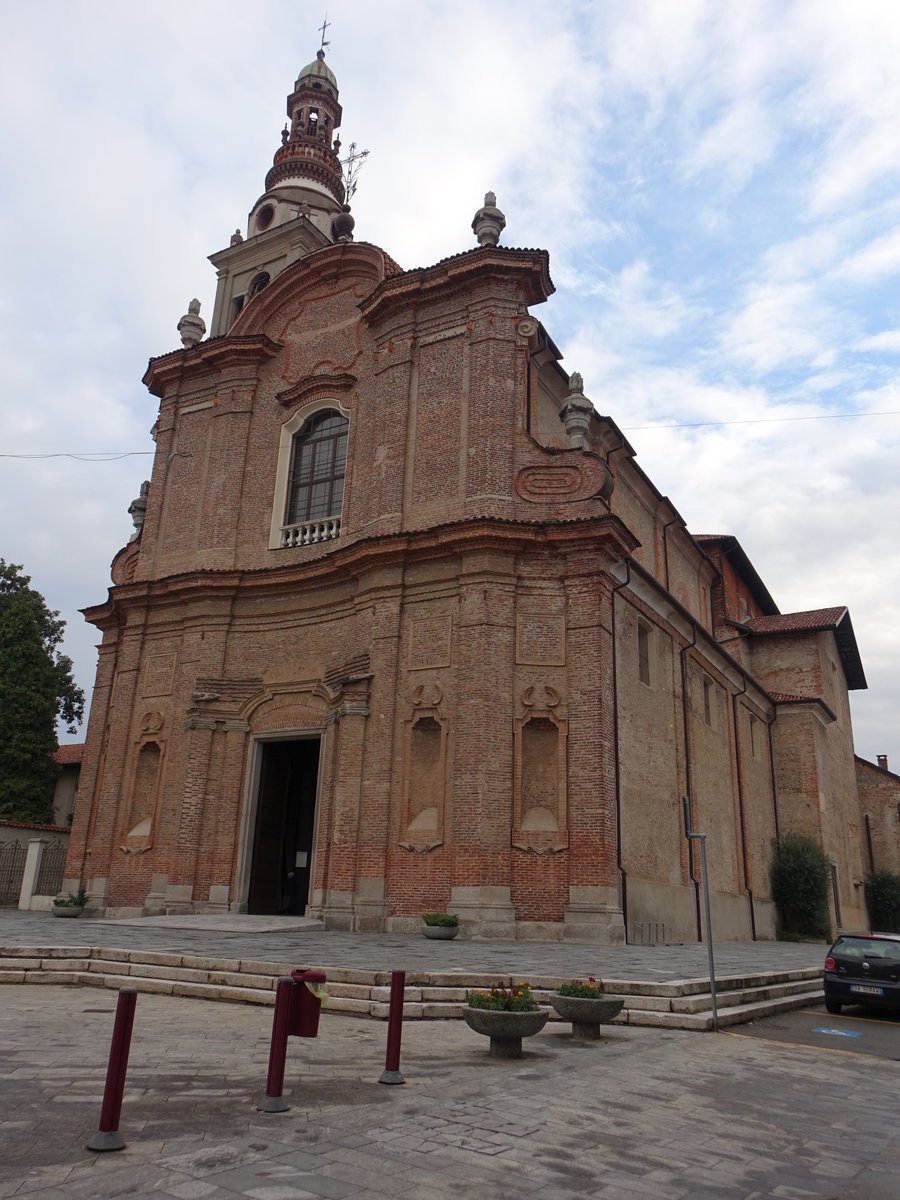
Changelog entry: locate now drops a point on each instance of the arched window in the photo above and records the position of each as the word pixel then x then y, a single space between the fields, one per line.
pixel 316 482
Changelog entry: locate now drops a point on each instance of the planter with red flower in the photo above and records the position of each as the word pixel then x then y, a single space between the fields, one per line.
pixel 505 1015
pixel 584 1004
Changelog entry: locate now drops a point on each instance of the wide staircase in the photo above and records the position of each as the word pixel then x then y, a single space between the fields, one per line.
pixel 676 1004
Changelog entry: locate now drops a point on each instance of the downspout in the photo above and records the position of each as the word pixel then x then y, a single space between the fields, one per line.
pixel 687 771
pixel 668 525
pixel 623 874
pixel 740 791
pixel 869 842
pixel 772 777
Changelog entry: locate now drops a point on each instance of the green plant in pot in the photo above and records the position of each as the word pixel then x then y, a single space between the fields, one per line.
pixel 505 1014
pixel 71 905
pixel 583 1003
pixel 440 926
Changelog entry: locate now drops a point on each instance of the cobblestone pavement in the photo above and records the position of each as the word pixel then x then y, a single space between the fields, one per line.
pixel 283 940
pixel 644 1113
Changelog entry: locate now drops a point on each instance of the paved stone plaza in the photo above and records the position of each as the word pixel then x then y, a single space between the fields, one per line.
pixel 285 939
pixel 645 1113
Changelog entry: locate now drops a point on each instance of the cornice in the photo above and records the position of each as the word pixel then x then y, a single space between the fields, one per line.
pixel 355 559
pixel 316 385
pixel 530 267
pixel 205 356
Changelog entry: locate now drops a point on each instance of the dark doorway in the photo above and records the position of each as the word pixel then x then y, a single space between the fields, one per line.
pixel 283 838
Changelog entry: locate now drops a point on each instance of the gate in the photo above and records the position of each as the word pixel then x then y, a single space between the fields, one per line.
pixel 53 865
pixel 12 868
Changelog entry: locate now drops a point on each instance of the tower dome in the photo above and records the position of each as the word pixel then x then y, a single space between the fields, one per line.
pixel 317 69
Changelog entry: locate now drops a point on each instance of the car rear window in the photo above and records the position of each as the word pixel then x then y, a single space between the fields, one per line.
pixel 857 947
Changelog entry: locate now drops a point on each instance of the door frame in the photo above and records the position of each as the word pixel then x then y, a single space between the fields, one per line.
pixel 247 831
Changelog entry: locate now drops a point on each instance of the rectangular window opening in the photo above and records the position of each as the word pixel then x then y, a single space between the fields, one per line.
pixel 643 640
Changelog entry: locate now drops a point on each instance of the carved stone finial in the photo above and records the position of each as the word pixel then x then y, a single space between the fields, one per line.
pixel 191 326
pixel 489 222
pixel 137 510
pixel 236 238
pixel 576 414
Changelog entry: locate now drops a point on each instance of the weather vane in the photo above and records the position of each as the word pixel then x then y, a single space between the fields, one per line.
pixel 323 27
pixel 352 165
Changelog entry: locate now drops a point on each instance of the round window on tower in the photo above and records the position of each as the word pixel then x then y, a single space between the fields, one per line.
pixel 265 216
pixel 257 283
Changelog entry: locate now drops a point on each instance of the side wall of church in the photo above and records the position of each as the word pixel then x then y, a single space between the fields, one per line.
pixel 879 808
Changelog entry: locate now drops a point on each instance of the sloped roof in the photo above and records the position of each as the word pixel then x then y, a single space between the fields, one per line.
pixel 814 621
pixel 67 756
pixel 734 552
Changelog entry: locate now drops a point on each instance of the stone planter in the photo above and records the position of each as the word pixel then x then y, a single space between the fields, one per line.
pixel 586 1013
pixel 440 933
pixel 67 910
pixel 506 1029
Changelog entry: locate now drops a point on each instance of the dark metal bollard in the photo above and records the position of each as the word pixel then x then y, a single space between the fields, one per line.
pixel 296 1014
pixel 391 1072
pixel 273 1100
pixel 107 1136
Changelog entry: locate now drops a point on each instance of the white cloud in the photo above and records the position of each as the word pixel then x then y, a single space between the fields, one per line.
pixel 716 185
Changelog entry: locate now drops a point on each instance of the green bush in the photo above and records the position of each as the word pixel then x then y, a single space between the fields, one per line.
pixel 441 918
pixel 801 875
pixel 883 899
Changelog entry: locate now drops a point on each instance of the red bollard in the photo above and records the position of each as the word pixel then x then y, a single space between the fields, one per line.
pixel 273 1101
pixel 107 1136
pixel 297 1007
pixel 391 1072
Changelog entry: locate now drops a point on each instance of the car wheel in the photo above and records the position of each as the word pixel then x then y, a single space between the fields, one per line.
pixel 833 1007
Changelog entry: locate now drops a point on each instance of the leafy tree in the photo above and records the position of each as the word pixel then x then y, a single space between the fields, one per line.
pixel 36 686
pixel 801 875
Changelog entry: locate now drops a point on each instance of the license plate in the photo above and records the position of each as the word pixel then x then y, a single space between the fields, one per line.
pixel 865 990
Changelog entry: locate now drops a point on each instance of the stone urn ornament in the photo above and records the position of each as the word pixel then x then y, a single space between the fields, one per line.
pixel 585 1005
pixel 505 1015
pixel 440 926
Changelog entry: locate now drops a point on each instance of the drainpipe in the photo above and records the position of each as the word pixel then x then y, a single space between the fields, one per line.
pixel 687 771
pixel 623 874
pixel 772 777
pixel 740 791
pixel 665 533
pixel 869 842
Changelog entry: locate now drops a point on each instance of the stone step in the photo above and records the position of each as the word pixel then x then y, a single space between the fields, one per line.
pixel 677 1004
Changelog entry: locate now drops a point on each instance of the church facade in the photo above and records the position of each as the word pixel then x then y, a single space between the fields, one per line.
pixel 405 627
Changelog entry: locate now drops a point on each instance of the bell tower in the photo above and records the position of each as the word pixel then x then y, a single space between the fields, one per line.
pixel 302 208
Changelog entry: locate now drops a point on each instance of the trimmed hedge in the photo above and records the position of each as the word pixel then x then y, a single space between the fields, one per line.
pixel 801 878
pixel 883 899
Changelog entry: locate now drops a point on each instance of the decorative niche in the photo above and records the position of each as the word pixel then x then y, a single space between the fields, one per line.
pixel 145 785
pixel 539 787
pixel 425 772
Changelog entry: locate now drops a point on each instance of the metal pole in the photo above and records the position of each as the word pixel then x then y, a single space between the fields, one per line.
pixel 391 1072
pixel 701 838
pixel 709 942
pixel 107 1136
pixel 273 1101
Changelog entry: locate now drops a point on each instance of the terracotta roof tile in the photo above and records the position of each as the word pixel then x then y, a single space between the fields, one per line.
pixel 798 622
pixel 67 755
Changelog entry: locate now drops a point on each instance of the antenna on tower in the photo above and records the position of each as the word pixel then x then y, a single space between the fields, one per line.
pixel 351 167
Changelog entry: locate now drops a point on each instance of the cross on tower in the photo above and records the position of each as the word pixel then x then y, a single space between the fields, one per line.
pixel 323 27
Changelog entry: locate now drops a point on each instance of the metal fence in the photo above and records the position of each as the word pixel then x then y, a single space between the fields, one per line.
pixel 648 933
pixel 53 864
pixel 12 867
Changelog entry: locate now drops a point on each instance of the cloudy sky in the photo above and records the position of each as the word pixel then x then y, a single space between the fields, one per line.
pixel 716 183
